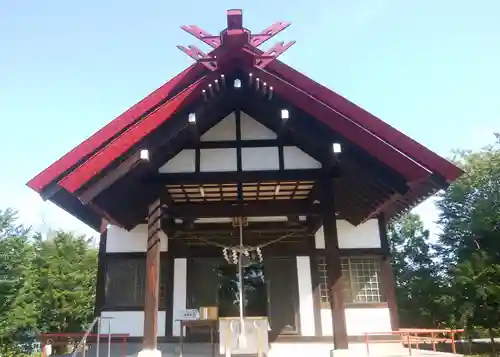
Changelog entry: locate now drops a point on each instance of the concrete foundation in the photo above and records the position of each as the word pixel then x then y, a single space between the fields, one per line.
pixel 277 349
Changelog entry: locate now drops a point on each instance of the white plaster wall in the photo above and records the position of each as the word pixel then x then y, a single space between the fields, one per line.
pixel 326 322
pixel 251 129
pixel 180 291
pixel 306 301
pixel 256 159
pixel 365 235
pixel 294 159
pixel 217 160
pixel 359 321
pixel 319 238
pixel 130 322
pixel 225 130
pixel 121 241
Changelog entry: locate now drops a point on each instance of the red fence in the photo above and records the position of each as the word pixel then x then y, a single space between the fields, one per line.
pixel 414 337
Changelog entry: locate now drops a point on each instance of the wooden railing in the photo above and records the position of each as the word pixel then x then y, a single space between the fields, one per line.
pixel 66 339
pixel 414 337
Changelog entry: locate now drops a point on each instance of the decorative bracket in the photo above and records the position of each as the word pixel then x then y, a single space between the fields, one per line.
pixel 270 32
pixel 270 55
pixel 199 56
pixel 202 35
pixel 233 39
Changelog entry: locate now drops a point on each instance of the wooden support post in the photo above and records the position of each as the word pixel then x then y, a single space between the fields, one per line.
pixel 332 255
pixel 388 274
pixel 150 344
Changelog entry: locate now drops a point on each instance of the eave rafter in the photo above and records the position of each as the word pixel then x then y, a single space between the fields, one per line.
pixel 99 139
pixel 179 128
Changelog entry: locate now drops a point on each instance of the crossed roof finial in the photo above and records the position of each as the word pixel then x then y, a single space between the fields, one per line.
pixel 234 41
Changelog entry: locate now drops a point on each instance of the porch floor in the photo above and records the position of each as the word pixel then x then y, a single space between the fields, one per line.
pixel 278 349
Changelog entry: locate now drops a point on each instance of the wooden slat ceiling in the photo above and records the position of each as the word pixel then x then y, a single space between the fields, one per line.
pixel 251 191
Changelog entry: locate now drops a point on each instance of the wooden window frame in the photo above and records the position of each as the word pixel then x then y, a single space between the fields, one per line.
pixel 348 302
pixel 137 305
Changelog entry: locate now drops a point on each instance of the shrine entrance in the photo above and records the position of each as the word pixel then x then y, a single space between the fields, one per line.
pixel 312 178
pixel 269 288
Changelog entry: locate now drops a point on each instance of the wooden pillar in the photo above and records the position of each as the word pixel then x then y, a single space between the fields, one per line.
pixel 332 255
pixel 388 274
pixel 152 278
pixel 101 270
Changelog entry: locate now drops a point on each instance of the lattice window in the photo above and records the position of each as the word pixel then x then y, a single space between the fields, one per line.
pixel 323 281
pixel 361 280
pixel 126 283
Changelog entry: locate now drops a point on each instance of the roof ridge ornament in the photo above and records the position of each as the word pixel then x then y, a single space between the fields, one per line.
pixel 236 42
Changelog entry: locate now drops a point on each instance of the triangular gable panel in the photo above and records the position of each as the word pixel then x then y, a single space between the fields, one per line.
pixel 225 130
pixel 296 159
pixel 251 129
pixel 182 162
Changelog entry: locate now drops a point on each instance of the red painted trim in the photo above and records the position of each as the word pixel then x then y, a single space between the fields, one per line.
pixel 90 145
pixel 349 129
pixel 331 99
pixel 405 144
pixel 133 135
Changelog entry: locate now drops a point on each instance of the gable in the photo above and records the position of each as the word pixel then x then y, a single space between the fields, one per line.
pixel 249 129
pixel 225 130
pixel 225 160
pixel 253 158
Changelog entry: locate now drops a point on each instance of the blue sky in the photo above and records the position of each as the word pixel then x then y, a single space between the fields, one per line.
pixel 430 68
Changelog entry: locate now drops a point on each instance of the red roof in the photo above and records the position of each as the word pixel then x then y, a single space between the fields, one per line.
pixel 235 48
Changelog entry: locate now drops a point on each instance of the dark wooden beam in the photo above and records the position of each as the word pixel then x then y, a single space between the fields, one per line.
pixel 226 209
pixel 233 144
pixel 113 174
pixel 239 156
pixel 314 136
pixel 176 129
pixel 234 176
pixel 208 115
pixel 284 249
pixel 169 226
pixel 388 274
pixel 88 194
pixel 252 227
pixel 268 113
pixel 332 255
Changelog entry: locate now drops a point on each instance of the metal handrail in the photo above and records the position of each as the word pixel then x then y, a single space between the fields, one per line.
pixel 97 320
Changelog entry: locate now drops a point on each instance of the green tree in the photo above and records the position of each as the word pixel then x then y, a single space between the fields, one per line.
pixel 66 268
pixel 469 245
pixel 17 314
pixel 418 282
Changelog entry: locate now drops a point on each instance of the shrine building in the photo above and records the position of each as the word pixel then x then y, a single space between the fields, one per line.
pixel 244 190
